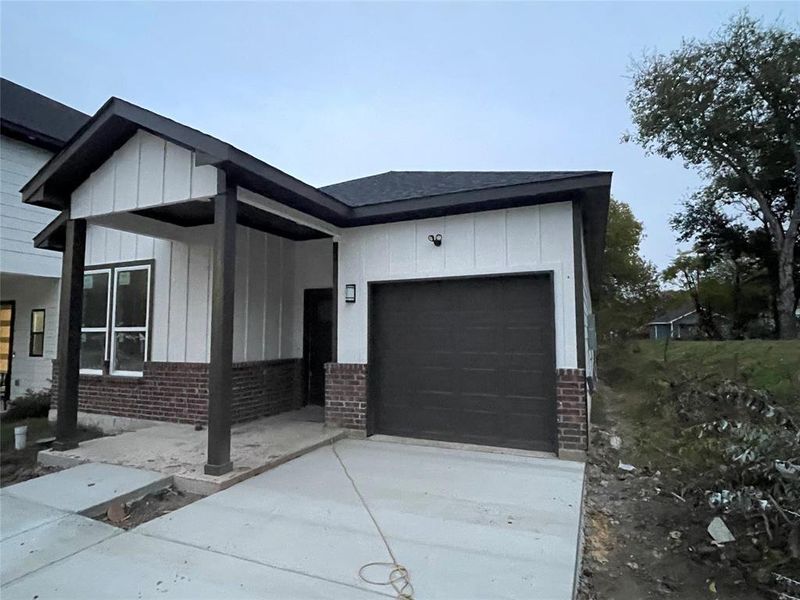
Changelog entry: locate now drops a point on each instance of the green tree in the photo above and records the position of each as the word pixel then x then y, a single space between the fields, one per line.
pixel 689 271
pixel 730 107
pixel 741 259
pixel 630 283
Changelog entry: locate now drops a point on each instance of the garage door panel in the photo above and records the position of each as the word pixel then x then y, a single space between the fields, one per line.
pixel 470 360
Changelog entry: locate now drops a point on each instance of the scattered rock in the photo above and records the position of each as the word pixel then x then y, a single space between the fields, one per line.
pixel 116 512
pixel 719 532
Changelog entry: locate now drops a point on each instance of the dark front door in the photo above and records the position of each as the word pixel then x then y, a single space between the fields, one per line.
pixel 317 341
pixel 6 349
pixel 465 360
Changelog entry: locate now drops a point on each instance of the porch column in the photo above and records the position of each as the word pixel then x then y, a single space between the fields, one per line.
pixel 220 373
pixel 70 316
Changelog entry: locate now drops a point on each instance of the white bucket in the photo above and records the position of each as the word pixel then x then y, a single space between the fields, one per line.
pixel 20 437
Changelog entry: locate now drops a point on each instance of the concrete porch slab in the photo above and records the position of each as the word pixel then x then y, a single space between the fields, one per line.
pixel 88 489
pixel 178 451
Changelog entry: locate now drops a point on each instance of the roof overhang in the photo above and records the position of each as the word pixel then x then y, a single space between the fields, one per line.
pixel 117 121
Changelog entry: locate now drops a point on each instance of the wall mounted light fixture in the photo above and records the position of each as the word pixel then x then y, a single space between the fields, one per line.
pixel 350 292
pixel 435 239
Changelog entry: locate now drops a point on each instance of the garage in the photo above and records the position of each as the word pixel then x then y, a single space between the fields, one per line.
pixel 464 360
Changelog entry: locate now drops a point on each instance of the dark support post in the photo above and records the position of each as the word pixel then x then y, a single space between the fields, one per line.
pixel 335 320
pixel 69 334
pixel 220 373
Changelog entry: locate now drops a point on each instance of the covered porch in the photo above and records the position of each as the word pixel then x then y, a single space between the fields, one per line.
pixel 179 451
pixel 196 281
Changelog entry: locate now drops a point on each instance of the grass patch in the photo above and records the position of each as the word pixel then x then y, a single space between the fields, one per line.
pixel 37 429
pixel 770 365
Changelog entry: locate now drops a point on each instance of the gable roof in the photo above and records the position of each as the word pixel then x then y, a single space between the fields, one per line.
pixel 674 314
pixel 390 197
pixel 393 186
pixel 36 119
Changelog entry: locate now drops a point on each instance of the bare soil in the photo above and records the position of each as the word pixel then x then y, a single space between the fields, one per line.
pixel 152 506
pixel 17 466
pixel 643 541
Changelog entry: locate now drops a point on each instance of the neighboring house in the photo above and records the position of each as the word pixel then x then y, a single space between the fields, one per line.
pixel 32 129
pixel 216 288
pixel 682 323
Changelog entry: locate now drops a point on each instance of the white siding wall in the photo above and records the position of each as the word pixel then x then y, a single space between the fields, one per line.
pixel 588 310
pixel 535 238
pixel 313 268
pixel 31 293
pixel 271 274
pixel 19 222
pixel 146 171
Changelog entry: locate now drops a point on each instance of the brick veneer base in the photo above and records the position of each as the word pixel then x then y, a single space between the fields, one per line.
pixel 572 412
pixel 346 395
pixel 178 392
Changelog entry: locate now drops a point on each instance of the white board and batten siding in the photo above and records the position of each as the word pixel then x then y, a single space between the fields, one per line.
pixel 516 240
pixel 19 222
pixel 146 171
pixel 588 311
pixel 271 274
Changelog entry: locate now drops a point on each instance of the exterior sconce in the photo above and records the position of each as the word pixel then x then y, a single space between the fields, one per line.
pixel 435 239
pixel 350 293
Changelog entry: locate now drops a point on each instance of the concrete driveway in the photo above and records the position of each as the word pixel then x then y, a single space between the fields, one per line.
pixel 465 524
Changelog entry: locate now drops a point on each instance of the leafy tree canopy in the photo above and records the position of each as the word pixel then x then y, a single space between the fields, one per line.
pixel 730 106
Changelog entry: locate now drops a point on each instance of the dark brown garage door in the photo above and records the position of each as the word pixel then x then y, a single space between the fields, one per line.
pixel 464 360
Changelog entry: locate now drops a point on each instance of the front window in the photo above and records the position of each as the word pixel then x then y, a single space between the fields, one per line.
pixel 131 308
pixel 116 319
pixel 37 333
pixel 94 327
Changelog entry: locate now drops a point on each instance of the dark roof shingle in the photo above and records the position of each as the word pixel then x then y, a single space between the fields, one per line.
pixel 405 185
pixel 38 118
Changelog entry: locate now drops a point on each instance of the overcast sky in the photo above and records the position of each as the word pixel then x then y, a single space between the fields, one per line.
pixel 333 91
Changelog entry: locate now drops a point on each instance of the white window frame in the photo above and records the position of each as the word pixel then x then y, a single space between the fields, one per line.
pixel 113 315
pixel 103 330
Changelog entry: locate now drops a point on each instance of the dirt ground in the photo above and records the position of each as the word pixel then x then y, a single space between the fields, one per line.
pixel 17 466
pixel 128 516
pixel 643 541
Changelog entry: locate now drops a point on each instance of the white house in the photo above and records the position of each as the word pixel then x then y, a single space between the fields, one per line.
pixel 32 129
pixel 201 284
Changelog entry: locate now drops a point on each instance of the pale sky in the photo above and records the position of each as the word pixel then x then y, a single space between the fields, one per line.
pixel 332 91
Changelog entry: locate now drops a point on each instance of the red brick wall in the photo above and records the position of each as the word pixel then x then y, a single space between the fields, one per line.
pixel 178 392
pixel 346 395
pixel 572 411
pixel 265 388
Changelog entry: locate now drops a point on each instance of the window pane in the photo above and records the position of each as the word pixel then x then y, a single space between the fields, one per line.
pixel 95 299
pixel 37 344
pixel 37 321
pixel 129 351
pixel 131 302
pixel 93 350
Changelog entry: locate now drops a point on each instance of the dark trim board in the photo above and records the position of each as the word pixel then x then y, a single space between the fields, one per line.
pixel 201 212
pixel 31 332
pixel 7 391
pixel 149 262
pixel 335 341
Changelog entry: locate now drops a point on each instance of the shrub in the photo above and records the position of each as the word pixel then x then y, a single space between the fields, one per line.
pixel 31 405
pixel 750 468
